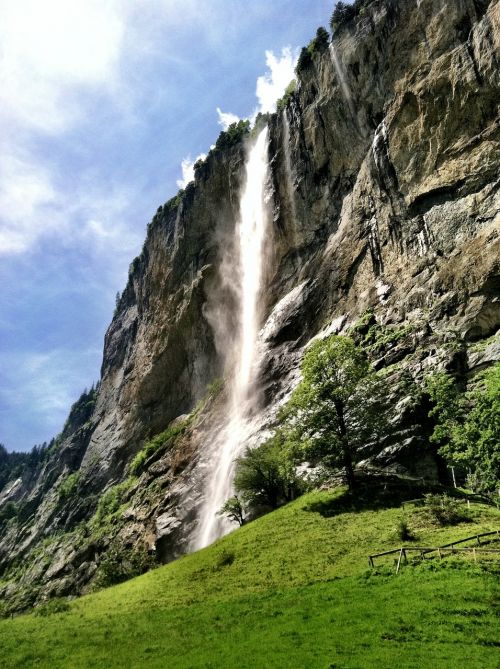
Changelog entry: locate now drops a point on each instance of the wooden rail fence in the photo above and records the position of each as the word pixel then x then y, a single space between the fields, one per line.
pixel 441 550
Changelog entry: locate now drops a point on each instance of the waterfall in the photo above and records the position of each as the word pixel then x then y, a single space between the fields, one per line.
pixel 248 269
pixel 288 169
pixel 344 86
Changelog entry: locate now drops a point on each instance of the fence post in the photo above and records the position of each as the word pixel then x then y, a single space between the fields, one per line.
pixel 399 560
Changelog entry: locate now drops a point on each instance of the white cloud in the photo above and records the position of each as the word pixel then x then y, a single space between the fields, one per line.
pixel 272 85
pixel 187 167
pixel 26 192
pixel 48 49
pixel 226 118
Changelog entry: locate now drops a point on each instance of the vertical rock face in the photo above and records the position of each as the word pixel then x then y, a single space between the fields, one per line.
pixel 384 169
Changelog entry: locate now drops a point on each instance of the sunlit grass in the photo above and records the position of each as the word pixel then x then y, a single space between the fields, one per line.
pixel 296 592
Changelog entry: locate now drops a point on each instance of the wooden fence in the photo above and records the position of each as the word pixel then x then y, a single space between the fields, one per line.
pixel 440 550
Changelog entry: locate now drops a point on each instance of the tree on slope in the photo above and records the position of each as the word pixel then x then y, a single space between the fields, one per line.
pixel 468 425
pixel 337 408
pixel 265 477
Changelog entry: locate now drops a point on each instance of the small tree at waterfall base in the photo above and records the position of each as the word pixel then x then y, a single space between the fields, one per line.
pixel 336 409
pixel 265 478
pixel 233 510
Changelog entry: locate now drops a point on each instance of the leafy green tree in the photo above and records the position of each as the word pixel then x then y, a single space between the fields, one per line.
pixel 233 135
pixel 304 61
pixel 468 425
pixel 265 477
pixel 342 13
pixel 337 408
pixel 233 509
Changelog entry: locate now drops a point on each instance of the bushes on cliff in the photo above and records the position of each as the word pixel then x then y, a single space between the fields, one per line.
pixel 468 425
pixel 158 444
pixel 317 45
pixel 344 12
pixel 233 135
pixel 341 14
pixel 289 91
pixel 69 486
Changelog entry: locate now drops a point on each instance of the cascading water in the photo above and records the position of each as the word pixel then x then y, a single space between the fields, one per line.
pixel 344 86
pixel 288 168
pixel 251 233
pixel 290 177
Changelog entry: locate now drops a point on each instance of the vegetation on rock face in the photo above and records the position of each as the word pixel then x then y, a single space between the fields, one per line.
pixel 233 135
pixel 345 12
pixel 69 486
pixel 468 425
pixel 158 444
pixel 289 91
pixel 317 45
pixel 81 410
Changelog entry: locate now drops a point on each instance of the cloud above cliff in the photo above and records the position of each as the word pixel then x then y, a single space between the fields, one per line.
pixel 187 167
pixel 102 103
pixel 272 84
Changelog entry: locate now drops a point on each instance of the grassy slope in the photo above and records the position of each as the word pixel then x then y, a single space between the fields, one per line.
pixel 297 594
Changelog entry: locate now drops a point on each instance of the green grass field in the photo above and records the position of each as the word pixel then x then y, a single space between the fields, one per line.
pixel 290 590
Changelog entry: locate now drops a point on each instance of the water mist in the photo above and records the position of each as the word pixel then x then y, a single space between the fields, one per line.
pixel 248 272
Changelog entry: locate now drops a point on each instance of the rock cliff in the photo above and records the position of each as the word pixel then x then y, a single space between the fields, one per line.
pixel 385 209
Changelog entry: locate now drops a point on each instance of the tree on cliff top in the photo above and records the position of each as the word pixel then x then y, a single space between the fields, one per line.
pixel 342 13
pixel 337 408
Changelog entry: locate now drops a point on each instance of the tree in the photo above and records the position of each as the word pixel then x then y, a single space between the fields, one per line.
pixel 337 408
pixel 468 425
pixel 265 477
pixel 341 14
pixel 322 39
pixel 304 61
pixel 233 509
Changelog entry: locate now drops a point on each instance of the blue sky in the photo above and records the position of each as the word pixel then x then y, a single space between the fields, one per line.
pixel 101 103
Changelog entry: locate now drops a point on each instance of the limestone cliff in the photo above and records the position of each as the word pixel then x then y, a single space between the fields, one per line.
pixel 385 197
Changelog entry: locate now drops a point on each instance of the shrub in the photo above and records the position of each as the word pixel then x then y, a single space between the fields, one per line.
pixel 174 202
pixel 403 531
pixel 69 486
pixel 225 558
pixel 265 477
pixel 342 13
pixel 443 510
pixel 233 135
pixel 8 511
pixel 467 425
pixel 56 605
pixel 121 563
pixel 112 500
pixel 289 91
pixel 160 442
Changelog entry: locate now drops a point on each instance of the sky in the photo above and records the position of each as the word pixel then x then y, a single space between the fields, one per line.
pixel 104 107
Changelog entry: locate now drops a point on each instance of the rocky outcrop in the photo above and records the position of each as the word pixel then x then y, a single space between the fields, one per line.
pixel 385 197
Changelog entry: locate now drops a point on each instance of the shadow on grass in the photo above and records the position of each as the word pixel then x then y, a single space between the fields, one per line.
pixel 373 494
